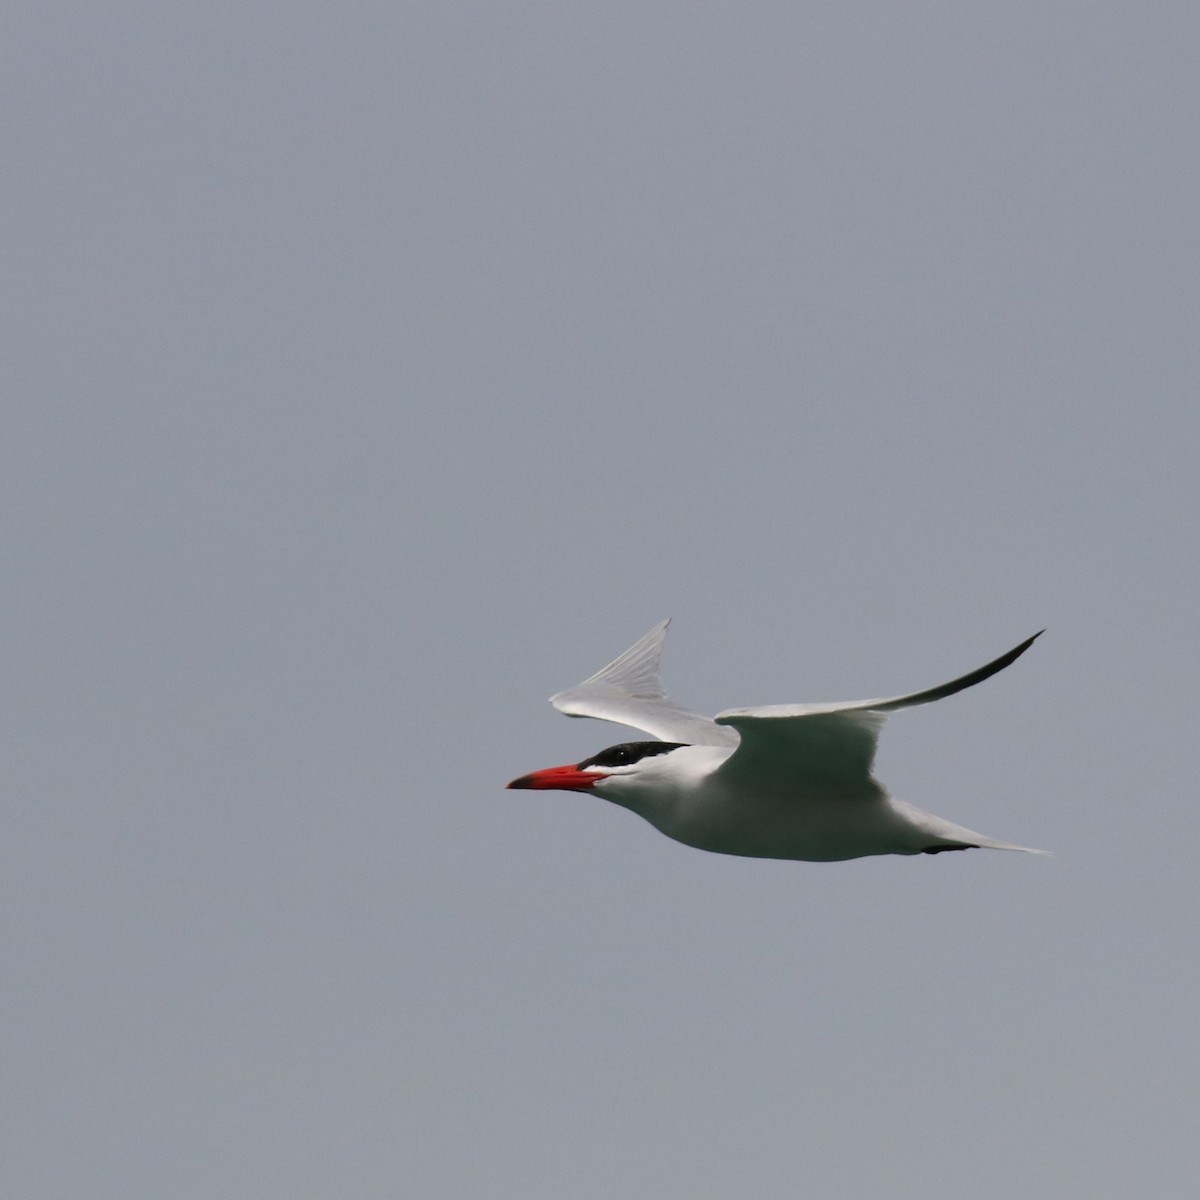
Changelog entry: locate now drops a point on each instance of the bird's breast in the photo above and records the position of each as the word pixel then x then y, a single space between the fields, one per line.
pixel 815 828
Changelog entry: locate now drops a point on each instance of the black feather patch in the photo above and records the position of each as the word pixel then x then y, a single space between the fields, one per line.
pixel 627 753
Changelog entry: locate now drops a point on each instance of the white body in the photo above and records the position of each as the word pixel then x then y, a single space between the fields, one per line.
pixel 688 801
pixel 786 781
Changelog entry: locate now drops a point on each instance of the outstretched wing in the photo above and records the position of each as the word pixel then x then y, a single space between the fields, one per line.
pixel 629 692
pixel 827 747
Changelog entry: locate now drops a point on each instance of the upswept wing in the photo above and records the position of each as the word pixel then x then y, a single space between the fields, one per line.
pixel 828 747
pixel 629 692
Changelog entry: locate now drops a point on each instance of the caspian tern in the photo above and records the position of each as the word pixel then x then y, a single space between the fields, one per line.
pixel 783 781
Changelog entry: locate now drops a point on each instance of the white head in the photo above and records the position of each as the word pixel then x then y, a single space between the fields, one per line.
pixel 629 773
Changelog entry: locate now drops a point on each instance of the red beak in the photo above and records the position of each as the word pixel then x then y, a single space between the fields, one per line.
pixel 565 779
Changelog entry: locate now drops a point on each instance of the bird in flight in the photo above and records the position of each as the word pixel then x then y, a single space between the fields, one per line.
pixel 783 781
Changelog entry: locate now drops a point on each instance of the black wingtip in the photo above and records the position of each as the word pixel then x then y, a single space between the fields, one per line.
pixel 1005 660
pixel 957 685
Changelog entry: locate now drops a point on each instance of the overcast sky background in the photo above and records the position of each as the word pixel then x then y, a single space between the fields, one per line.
pixel 373 371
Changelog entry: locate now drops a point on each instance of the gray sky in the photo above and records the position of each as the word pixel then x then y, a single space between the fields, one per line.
pixel 373 371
